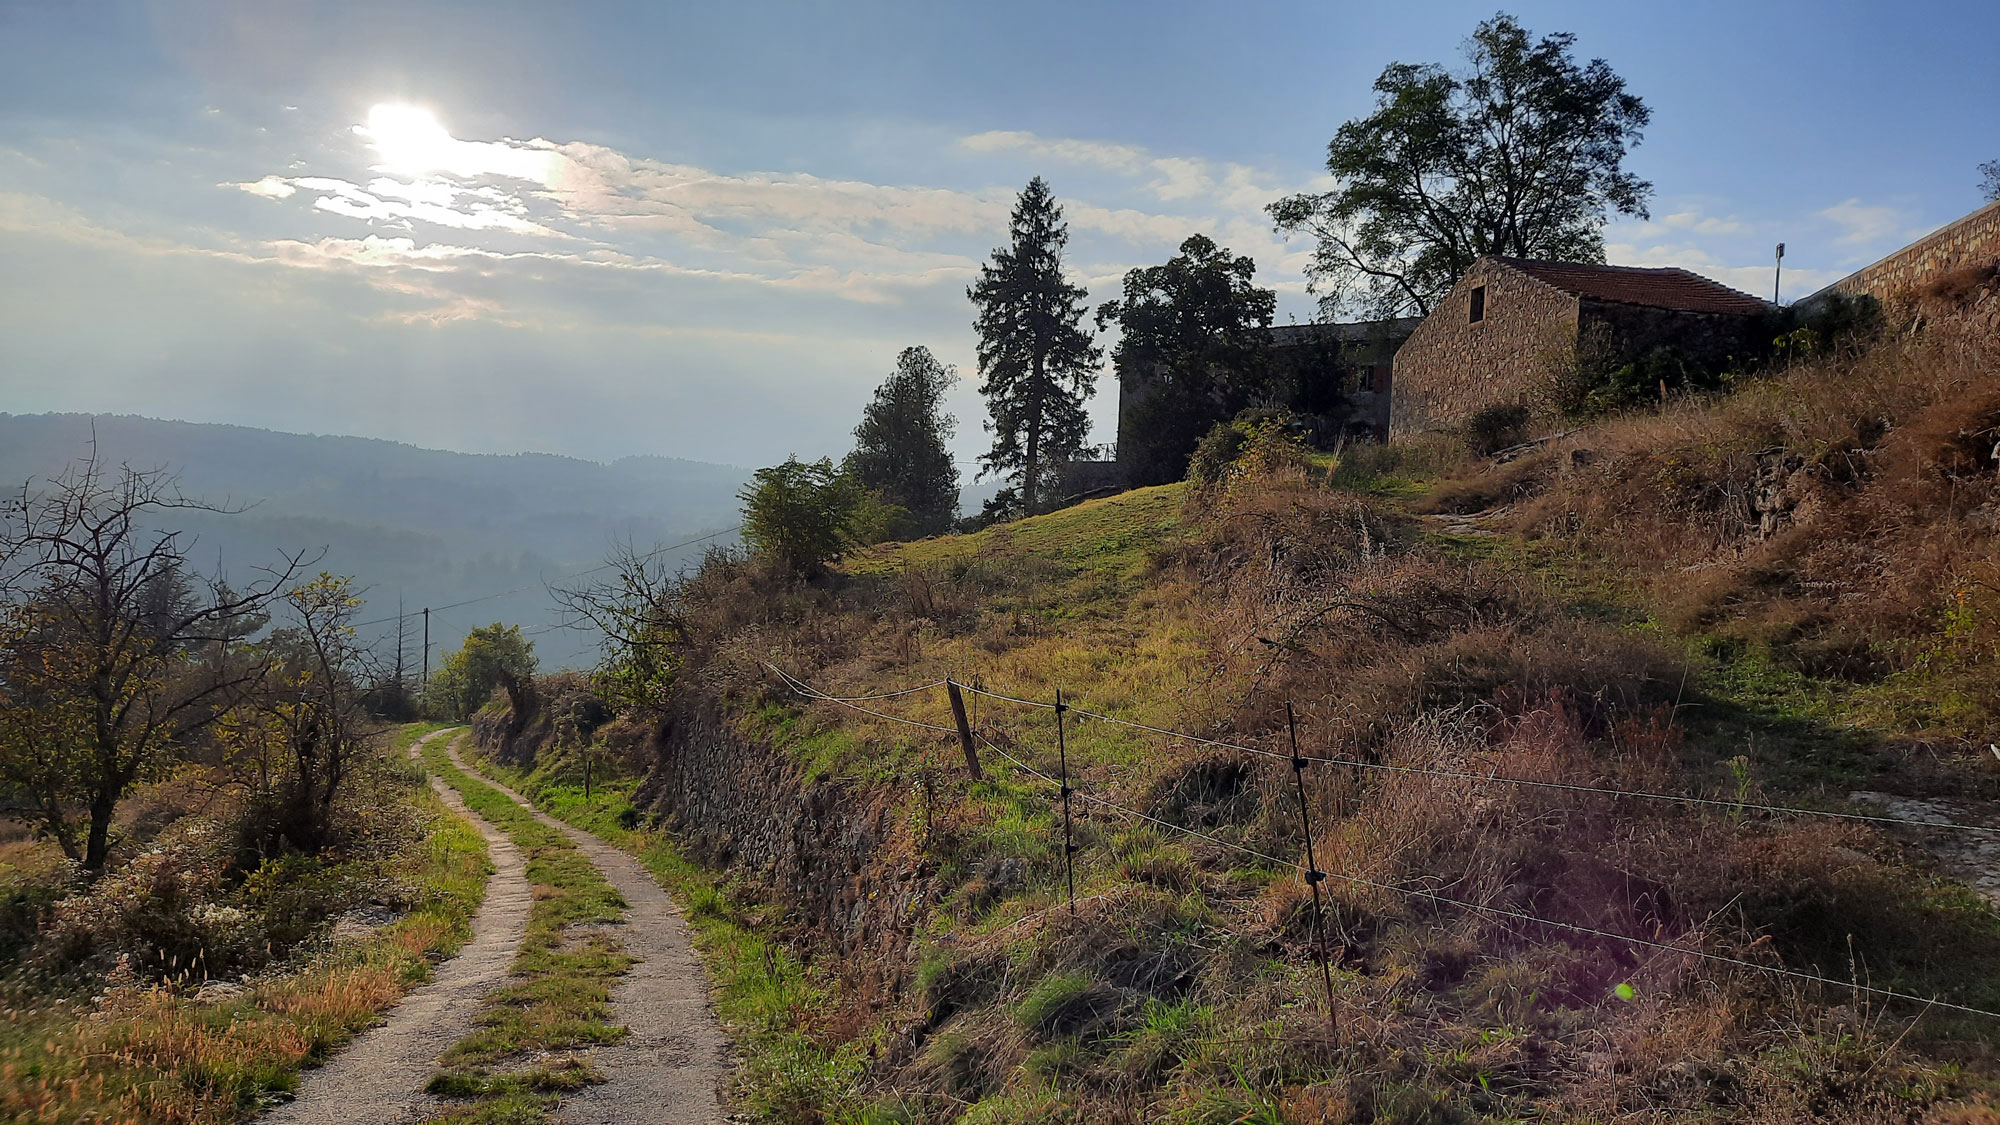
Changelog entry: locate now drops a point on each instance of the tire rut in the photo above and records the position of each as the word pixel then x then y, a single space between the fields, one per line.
pixel 380 1076
pixel 673 1065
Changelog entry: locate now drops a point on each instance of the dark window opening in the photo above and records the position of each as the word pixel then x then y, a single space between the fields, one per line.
pixel 1478 304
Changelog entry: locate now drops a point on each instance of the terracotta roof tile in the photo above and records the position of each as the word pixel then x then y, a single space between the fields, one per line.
pixel 1675 289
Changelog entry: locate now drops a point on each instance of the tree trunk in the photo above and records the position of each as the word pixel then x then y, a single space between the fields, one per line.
pixel 98 844
pixel 1033 475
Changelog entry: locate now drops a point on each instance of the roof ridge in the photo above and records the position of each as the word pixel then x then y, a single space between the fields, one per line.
pixel 1669 287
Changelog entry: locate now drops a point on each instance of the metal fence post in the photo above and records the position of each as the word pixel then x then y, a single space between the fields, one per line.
pixel 1069 835
pixel 1314 876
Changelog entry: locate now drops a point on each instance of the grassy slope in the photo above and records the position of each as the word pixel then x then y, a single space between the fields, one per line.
pixel 151 1055
pixel 1075 602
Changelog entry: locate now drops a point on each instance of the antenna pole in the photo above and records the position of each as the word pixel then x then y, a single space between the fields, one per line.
pixel 1778 276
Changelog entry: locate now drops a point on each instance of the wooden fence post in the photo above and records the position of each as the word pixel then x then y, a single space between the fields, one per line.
pixel 964 730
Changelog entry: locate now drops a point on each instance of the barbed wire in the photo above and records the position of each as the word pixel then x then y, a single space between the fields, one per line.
pixel 1460 775
pixel 1929 1002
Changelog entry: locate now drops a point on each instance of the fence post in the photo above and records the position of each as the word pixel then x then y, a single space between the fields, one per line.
pixel 1314 876
pixel 964 730
pixel 1069 837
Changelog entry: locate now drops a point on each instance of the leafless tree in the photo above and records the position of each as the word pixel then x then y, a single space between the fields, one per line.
pixel 126 643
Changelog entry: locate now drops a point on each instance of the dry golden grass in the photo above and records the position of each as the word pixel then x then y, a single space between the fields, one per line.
pixel 155 1054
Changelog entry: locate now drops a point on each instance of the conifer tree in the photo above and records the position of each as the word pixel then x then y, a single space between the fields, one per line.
pixel 899 451
pixel 1037 362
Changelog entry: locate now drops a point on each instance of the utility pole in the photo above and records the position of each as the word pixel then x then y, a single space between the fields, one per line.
pixel 427 647
pixel 1778 277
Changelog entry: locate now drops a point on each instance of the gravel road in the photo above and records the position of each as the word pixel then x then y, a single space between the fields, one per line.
pixel 380 1076
pixel 672 1067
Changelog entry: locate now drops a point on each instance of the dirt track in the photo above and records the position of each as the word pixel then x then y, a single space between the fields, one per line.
pixel 671 1068
pixel 380 1076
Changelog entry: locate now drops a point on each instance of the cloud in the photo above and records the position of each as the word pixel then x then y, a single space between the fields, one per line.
pixel 1694 221
pixel 1236 187
pixel 1753 279
pixel 1863 222
pixel 270 187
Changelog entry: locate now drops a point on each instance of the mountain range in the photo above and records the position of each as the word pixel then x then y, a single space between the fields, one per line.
pixel 427 527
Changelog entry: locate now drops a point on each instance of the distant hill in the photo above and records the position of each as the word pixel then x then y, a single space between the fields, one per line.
pixel 433 526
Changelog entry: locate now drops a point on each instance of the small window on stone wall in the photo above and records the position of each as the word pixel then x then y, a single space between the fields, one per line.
pixel 1478 304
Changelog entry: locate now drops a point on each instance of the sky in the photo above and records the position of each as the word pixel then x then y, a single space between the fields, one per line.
pixel 706 230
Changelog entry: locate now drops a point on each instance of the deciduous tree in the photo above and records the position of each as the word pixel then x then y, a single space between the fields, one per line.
pixel 494 656
pixel 1037 363
pixel 1190 336
pixel 114 656
pixel 1520 154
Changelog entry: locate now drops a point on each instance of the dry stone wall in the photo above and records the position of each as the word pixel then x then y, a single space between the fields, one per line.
pixel 1971 241
pixel 1452 366
pixel 829 852
pixel 1710 339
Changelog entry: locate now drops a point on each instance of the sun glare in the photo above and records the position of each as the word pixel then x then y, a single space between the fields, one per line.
pixel 410 138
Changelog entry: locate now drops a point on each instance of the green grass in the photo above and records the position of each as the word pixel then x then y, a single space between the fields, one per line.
pixel 1108 537
pixel 560 999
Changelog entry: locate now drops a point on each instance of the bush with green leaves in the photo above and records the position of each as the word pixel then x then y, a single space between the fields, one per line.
pixel 804 515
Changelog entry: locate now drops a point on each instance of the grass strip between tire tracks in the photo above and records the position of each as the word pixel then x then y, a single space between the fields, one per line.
pixel 519 1056
pixel 764 996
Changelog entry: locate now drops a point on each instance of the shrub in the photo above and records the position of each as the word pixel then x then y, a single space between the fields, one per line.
pixel 803 516
pixel 164 913
pixel 1253 444
pixel 1494 428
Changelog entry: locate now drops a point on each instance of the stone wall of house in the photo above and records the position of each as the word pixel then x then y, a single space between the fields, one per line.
pixel 1971 241
pixel 1709 339
pixel 1452 366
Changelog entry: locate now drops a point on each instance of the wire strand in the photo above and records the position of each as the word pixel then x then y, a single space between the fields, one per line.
pixel 1443 900
pixel 1570 787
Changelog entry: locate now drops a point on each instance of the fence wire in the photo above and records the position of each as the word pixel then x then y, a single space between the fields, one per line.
pixel 1929 1002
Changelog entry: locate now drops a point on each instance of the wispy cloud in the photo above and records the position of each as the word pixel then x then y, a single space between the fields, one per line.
pixel 1862 223
pixel 430 192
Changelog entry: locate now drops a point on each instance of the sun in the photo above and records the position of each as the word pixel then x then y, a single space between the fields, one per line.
pixel 409 138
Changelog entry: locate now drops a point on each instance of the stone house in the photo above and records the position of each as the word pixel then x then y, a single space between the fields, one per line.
pixel 1510 324
pixel 1337 376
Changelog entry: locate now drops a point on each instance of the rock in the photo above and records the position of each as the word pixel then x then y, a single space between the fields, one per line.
pixel 216 991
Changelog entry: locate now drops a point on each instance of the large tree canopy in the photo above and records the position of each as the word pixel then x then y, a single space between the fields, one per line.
pixel 1037 362
pixel 899 451
pixel 1190 353
pixel 1521 154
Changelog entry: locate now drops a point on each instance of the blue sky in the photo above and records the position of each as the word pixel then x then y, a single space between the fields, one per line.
pixel 706 230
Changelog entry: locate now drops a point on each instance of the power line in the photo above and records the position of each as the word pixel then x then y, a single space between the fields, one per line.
pixel 543 583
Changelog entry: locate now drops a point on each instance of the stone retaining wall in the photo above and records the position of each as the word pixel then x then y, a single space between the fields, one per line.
pixel 1971 241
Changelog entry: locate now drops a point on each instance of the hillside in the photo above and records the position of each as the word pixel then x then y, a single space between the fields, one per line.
pixel 432 526
pixel 1593 737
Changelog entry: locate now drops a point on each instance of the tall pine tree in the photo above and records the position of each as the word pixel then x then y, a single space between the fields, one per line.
pixel 1037 363
pixel 899 449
